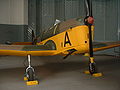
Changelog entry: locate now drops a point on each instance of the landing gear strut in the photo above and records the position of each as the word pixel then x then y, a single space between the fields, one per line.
pixel 93 69
pixel 30 73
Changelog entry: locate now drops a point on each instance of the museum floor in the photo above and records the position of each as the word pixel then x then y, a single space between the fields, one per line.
pixel 54 73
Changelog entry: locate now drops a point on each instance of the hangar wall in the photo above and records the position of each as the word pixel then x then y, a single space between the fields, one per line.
pixel 47 11
pixel 42 14
pixel 13 20
pixel 106 13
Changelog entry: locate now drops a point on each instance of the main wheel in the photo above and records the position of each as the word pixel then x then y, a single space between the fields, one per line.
pixel 92 68
pixel 30 74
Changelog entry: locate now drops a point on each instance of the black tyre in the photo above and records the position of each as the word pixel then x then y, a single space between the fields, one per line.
pixel 30 74
pixel 92 68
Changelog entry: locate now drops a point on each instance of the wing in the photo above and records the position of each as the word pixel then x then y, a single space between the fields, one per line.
pixel 22 43
pixel 98 46
pixel 24 50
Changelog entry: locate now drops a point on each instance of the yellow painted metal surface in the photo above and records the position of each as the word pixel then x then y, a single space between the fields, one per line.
pixel 25 78
pixel 92 59
pixel 87 72
pixel 32 82
pixel 78 37
pixel 25 53
pixel 94 75
pixel 86 54
pixel 97 75
pixel 75 38
pixel 106 47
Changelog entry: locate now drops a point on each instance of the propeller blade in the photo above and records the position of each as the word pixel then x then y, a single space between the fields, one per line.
pixel 89 22
pixel 89 16
pixel 88 7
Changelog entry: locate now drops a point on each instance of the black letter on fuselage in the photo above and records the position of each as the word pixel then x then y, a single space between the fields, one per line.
pixel 67 40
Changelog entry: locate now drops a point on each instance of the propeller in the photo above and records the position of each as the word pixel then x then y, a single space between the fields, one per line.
pixel 88 7
pixel 89 20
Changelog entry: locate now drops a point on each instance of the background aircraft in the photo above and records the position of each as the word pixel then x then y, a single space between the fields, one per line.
pixel 73 36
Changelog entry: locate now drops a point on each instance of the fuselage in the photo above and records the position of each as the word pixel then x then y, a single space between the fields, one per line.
pixel 73 38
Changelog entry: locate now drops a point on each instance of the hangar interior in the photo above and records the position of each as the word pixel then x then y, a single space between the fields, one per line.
pixel 19 17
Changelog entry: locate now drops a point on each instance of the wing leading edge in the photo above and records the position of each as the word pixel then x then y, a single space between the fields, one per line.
pixel 24 50
pixel 98 46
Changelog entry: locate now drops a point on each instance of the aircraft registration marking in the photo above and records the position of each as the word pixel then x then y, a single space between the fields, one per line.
pixel 67 40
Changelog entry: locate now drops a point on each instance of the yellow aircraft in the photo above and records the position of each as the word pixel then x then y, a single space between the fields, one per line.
pixel 73 36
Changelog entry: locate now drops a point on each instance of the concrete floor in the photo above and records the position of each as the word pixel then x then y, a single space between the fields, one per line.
pixel 58 74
